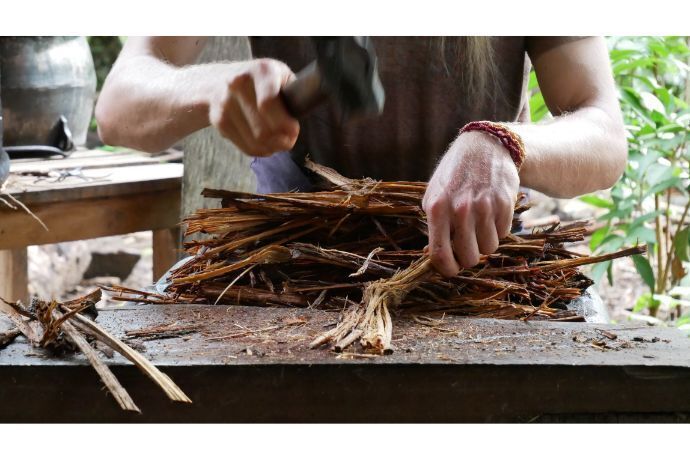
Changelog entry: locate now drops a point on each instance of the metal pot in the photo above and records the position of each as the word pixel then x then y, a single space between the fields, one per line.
pixel 48 91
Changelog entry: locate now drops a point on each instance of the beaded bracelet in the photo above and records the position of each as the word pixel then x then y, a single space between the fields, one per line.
pixel 510 139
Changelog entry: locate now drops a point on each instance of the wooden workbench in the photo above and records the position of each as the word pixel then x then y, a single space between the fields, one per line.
pixel 91 194
pixel 250 364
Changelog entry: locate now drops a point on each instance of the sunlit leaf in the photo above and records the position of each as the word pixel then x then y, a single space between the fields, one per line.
pixel 598 270
pixel 651 102
pixel 597 237
pixel 630 97
pixel 640 234
pixel 663 185
pixel 611 243
pixel 646 300
pixel 645 218
pixel 645 270
pixel 596 201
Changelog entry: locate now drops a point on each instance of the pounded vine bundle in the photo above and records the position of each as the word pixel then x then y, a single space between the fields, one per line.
pixel 358 246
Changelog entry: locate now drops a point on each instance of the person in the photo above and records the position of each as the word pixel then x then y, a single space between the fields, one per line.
pixel 155 95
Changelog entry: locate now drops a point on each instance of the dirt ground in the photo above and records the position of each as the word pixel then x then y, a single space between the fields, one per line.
pixel 68 280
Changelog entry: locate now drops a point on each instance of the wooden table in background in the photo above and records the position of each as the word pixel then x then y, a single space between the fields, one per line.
pixel 99 194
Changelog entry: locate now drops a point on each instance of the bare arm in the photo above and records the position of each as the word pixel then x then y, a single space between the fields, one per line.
pixel 469 201
pixel 583 149
pixel 154 96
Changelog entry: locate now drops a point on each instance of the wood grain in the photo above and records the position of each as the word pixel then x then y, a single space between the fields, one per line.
pixel 98 183
pixel 90 218
pixel 13 274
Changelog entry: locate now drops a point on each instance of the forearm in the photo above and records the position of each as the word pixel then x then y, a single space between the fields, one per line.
pixel 573 154
pixel 149 105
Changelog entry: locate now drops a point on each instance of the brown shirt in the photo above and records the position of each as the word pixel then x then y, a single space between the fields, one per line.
pixel 427 102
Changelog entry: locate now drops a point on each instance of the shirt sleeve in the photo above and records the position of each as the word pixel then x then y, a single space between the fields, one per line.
pixel 537 45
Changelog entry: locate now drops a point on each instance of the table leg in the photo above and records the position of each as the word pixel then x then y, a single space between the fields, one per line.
pixel 165 250
pixel 14 278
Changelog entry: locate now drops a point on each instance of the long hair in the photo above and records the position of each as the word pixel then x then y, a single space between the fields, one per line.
pixel 477 63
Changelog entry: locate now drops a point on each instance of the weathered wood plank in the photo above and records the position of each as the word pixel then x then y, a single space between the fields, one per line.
pixel 90 218
pixel 95 161
pixel 101 183
pixel 469 370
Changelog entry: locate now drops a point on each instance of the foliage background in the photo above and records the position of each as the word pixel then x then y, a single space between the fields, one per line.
pixel 649 205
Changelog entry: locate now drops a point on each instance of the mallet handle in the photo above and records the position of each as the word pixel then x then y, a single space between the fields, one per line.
pixel 305 93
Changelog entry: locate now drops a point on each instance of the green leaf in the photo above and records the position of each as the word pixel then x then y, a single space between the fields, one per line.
pixel 645 218
pixel 611 243
pixel 609 274
pixel 672 128
pixel 645 270
pixel 598 270
pixel 621 212
pixel 597 237
pixel 664 96
pixel 647 160
pixel 633 65
pixel 659 118
pixel 680 241
pixel 630 98
pixel 640 233
pixel 533 82
pixel 617 55
pixel 663 185
pixel 538 108
pixel 646 300
pixel 658 172
pixel 596 201
pixel 651 102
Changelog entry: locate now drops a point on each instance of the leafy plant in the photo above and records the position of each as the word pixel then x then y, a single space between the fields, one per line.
pixel 650 202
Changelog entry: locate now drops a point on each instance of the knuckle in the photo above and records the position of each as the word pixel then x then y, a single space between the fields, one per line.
pixel 281 69
pixel 482 203
pixel 263 66
pixel 461 208
pixel 286 142
pixel 436 207
pixel 270 68
pixel 261 133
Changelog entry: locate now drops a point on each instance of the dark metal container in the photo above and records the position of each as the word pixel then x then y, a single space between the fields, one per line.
pixel 45 79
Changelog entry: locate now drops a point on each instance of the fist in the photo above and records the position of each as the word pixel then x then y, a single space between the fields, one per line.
pixel 246 107
pixel 469 202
